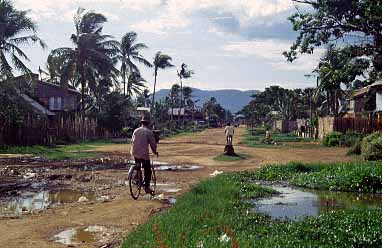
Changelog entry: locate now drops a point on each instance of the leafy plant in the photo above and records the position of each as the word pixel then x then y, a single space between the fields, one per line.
pixel 372 147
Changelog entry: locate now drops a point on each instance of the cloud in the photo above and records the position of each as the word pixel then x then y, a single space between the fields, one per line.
pixel 59 10
pixel 271 52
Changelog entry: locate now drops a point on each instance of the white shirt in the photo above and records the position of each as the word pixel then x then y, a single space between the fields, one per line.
pixel 229 130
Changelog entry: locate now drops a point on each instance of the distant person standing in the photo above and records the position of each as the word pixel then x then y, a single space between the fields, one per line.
pixel 229 132
pixel 267 136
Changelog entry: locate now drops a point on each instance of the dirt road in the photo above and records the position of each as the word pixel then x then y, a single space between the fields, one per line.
pixel 122 213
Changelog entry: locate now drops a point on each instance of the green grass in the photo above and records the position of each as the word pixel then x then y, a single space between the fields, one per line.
pixel 62 152
pixel 220 205
pixel 357 176
pixel 225 158
pixel 256 138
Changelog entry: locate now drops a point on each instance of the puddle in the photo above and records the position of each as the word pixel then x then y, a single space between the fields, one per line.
pixel 34 201
pixel 178 168
pixel 295 203
pixel 85 235
pixel 168 188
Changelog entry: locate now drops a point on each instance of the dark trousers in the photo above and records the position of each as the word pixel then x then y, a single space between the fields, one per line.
pixel 147 168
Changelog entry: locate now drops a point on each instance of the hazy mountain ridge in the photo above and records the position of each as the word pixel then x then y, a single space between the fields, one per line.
pixel 233 100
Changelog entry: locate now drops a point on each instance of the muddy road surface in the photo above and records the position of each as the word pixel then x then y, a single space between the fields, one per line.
pixel 86 203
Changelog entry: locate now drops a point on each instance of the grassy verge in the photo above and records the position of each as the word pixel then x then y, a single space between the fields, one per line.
pixel 256 139
pixel 76 151
pixel 219 206
pixel 358 176
pixel 225 158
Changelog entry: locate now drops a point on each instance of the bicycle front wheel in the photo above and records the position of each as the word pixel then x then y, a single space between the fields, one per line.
pixel 135 181
pixel 153 182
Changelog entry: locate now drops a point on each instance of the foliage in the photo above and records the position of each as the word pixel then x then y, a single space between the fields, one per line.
pixel 94 56
pixel 225 158
pixel 372 147
pixel 76 151
pixel 340 139
pixel 16 29
pixel 332 22
pixel 130 52
pixel 256 138
pixel 13 109
pixel 219 206
pixel 357 177
pixel 161 61
pixel 213 108
pixel 114 114
pixel 277 102
pixel 355 149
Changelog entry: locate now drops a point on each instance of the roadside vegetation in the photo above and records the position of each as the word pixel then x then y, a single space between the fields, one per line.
pixel 369 146
pixel 61 152
pixel 357 176
pixel 216 213
pixel 256 138
pixel 225 158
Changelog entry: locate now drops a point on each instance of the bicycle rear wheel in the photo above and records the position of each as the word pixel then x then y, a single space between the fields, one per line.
pixel 135 181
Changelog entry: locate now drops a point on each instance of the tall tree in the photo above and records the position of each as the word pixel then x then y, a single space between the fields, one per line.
pixel 94 55
pixel 130 52
pixel 355 22
pixel 161 61
pixel 15 25
pixel 183 73
pixel 174 96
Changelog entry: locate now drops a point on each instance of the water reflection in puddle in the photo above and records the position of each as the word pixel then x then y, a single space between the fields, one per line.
pixel 295 204
pixel 32 201
pixel 84 235
pixel 178 168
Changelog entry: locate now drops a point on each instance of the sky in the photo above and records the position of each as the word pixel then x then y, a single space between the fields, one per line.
pixel 230 44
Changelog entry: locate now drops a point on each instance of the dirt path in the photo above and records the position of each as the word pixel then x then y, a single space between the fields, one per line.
pixel 124 214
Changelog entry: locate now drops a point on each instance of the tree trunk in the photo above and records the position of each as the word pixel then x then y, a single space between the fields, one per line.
pixel 124 82
pixel 181 102
pixel 153 99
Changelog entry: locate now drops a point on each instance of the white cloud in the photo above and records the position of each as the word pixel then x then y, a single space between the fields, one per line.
pixel 271 52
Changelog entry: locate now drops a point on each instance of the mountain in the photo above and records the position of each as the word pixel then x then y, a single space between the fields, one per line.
pixel 233 100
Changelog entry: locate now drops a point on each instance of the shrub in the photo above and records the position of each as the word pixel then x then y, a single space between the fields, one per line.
pixel 372 147
pixel 352 138
pixel 334 139
pixel 355 149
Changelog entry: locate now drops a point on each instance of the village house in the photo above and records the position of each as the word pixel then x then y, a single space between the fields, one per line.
pixel 367 100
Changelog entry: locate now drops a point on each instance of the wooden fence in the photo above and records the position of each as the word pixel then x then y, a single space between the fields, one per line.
pixel 327 125
pixel 45 131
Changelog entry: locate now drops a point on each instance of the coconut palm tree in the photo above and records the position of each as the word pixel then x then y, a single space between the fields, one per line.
pixel 183 73
pixel 128 54
pixel 135 84
pixel 15 26
pixel 161 61
pixel 94 55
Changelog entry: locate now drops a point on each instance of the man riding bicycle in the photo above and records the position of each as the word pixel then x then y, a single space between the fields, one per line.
pixel 142 138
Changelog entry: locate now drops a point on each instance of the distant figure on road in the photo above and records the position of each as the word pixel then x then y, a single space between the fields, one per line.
pixel 143 137
pixel 229 132
pixel 267 136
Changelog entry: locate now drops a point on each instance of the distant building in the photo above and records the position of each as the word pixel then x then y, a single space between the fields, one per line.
pixel 366 100
pixel 54 98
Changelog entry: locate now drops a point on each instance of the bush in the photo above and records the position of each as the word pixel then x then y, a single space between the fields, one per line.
pixel 348 139
pixel 355 149
pixel 372 147
pixel 334 139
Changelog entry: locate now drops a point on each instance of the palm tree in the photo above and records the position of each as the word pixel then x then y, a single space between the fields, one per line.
pixel 161 61
pixel 13 25
pixel 130 52
pixel 94 55
pixel 135 84
pixel 183 73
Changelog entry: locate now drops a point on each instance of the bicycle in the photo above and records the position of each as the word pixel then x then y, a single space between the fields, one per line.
pixel 136 180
